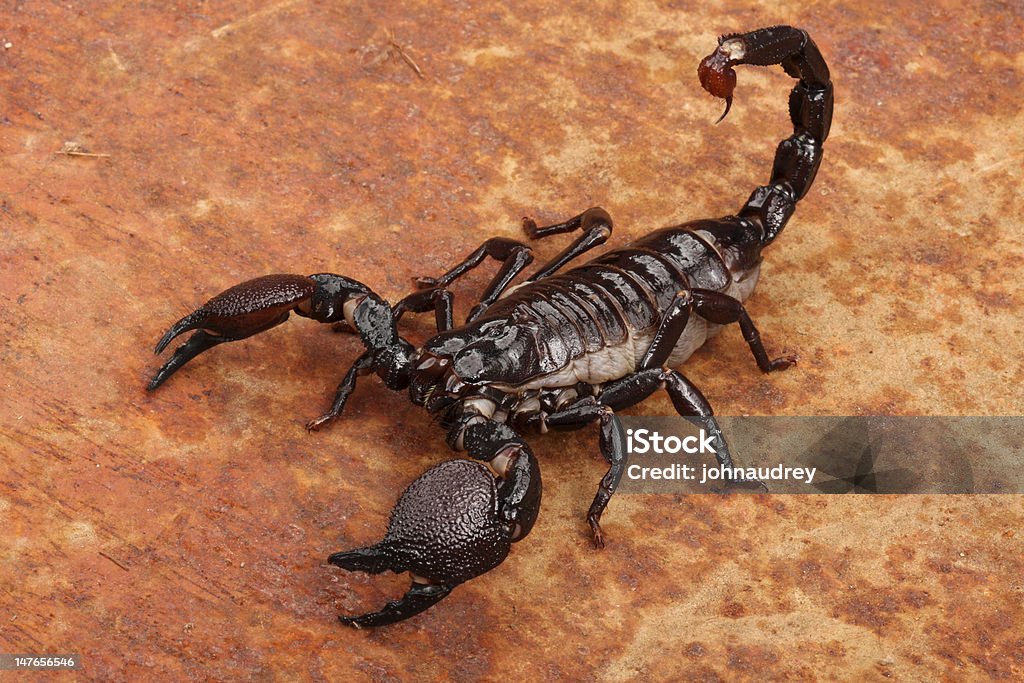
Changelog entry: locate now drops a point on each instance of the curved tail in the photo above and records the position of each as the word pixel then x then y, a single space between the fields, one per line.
pixel 810 108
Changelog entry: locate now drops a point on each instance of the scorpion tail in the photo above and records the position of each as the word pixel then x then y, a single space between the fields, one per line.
pixel 810 108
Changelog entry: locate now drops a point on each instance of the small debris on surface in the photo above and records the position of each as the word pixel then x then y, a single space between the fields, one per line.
pixel 259 14
pixel 74 149
pixel 393 43
pixel 103 554
pixel 394 49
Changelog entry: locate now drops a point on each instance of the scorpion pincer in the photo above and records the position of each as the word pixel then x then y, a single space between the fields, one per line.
pixel 561 350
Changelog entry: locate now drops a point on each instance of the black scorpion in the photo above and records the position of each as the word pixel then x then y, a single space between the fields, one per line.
pixel 559 351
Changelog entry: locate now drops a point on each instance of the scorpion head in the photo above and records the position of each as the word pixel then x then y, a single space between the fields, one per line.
pixel 494 351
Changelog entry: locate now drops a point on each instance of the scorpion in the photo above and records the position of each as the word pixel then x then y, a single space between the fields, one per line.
pixel 561 350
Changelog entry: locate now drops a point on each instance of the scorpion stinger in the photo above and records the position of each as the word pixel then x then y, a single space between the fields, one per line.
pixel 566 348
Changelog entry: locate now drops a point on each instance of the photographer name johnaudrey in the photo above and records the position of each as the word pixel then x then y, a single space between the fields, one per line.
pixel 643 441
pixel 708 473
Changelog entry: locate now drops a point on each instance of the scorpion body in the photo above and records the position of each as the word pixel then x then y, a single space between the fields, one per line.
pixel 562 350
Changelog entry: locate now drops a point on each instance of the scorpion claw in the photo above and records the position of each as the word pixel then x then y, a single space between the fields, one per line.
pixel 375 560
pixel 189 322
pixel 239 312
pixel 449 526
pixel 371 560
pixel 418 598
pixel 196 344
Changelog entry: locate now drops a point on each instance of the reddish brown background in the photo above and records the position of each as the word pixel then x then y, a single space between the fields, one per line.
pixel 182 534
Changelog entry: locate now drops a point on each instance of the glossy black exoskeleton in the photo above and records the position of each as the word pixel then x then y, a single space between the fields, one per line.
pixel 561 350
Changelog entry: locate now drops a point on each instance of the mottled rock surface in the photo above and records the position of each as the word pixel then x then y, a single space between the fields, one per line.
pixel 182 534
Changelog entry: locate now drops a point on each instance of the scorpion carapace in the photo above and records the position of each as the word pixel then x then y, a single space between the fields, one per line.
pixel 561 350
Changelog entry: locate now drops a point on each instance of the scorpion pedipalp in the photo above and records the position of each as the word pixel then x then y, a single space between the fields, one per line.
pixel 455 522
pixel 236 313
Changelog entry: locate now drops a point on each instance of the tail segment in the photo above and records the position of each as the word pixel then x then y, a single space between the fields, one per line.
pixel 810 108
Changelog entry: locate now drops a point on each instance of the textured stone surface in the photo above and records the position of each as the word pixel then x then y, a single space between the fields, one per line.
pixel 183 533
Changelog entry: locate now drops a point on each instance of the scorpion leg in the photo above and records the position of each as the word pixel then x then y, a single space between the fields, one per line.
pixel 502 279
pixel 363 365
pixel 613 448
pixel 723 309
pixel 620 394
pixel 498 248
pixel 513 254
pixel 440 300
pixel 597 228
pixel 686 398
pixel 688 401
pixel 455 522
pixel 673 323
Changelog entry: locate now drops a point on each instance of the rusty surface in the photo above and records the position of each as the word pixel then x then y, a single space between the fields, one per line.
pixel 182 534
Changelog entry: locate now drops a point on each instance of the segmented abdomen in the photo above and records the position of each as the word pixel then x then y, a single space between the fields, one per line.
pixel 597 320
